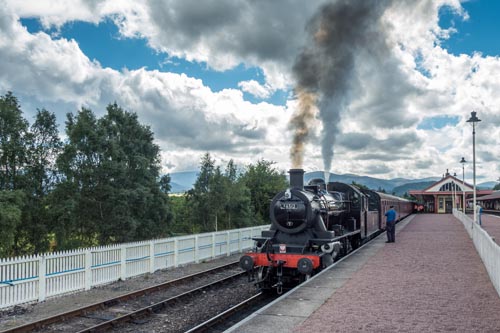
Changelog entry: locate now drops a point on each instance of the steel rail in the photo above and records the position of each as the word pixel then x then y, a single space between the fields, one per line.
pixel 222 317
pixel 148 310
pixel 113 301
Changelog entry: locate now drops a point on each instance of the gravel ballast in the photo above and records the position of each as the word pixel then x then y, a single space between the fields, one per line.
pixel 24 314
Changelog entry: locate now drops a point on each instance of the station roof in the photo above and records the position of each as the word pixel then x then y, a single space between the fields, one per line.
pixel 439 187
pixel 492 196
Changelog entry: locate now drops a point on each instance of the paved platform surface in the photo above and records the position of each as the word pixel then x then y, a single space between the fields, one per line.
pixel 430 280
pixel 491 223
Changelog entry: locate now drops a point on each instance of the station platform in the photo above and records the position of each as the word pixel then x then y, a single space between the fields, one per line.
pixel 430 280
pixel 491 224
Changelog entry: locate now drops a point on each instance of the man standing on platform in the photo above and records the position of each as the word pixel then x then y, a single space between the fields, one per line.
pixel 391 225
pixel 479 211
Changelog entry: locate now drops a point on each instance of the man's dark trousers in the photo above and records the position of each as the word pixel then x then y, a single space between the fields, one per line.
pixel 391 231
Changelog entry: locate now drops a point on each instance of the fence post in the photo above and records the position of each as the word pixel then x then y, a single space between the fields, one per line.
pixel 176 252
pixel 151 257
pixel 213 245
pixel 88 269
pixel 228 243
pixel 196 250
pixel 42 279
pixel 240 242
pixel 123 260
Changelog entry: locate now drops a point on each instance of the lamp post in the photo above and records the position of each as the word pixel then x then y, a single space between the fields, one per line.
pixel 463 161
pixel 473 120
pixel 454 192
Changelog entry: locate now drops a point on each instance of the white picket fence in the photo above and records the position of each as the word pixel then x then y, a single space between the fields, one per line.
pixel 36 278
pixel 487 248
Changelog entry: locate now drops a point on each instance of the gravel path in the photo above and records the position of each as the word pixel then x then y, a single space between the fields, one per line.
pixel 430 280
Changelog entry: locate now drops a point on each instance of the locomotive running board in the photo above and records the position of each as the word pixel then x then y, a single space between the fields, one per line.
pixel 338 237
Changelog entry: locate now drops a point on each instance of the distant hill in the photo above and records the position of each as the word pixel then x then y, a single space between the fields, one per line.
pixel 184 181
pixel 388 185
pixel 402 189
pixel 487 185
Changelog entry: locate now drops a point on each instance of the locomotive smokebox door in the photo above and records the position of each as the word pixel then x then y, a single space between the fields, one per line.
pixel 282 248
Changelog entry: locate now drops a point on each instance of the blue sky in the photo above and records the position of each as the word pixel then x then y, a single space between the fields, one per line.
pixel 104 43
pixel 217 76
pixel 477 34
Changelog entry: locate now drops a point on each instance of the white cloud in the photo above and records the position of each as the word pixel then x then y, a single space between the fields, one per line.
pixel 255 88
pixel 188 118
pixel 223 34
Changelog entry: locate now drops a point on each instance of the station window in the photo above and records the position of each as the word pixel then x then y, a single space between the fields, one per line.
pixel 448 187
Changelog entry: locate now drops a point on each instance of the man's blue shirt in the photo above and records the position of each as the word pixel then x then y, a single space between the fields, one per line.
pixel 391 215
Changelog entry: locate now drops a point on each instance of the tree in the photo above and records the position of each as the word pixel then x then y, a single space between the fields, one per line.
pixel 112 188
pixel 237 208
pixel 181 216
pixel 200 199
pixel 264 182
pixel 219 200
pixel 13 128
pixel 43 146
pixel 131 167
pixel 11 203
pixel 74 199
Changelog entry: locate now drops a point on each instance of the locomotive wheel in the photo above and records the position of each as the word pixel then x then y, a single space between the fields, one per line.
pixel 262 273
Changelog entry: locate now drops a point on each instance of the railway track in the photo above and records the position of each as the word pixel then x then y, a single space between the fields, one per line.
pixel 233 315
pixel 112 311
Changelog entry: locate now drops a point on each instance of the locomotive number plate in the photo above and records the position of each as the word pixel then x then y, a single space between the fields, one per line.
pixel 288 206
pixel 282 248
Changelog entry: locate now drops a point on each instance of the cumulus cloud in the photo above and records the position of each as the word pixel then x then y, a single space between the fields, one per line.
pixel 183 113
pixel 394 143
pixel 223 34
pixel 256 89
pixel 392 89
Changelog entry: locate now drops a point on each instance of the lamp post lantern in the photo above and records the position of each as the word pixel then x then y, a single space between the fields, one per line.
pixel 463 161
pixel 473 120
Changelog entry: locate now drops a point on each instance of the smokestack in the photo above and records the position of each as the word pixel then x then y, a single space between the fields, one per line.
pixel 297 178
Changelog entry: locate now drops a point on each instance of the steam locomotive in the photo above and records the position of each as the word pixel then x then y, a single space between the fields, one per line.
pixel 313 225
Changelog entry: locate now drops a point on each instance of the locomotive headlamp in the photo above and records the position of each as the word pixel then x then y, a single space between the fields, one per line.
pixel 288 194
pixel 327 248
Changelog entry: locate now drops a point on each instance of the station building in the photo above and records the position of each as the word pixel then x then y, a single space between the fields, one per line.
pixel 491 202
pixel 446 194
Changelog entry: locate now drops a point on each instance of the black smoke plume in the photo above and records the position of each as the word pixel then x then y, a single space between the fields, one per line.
pixel 325 70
